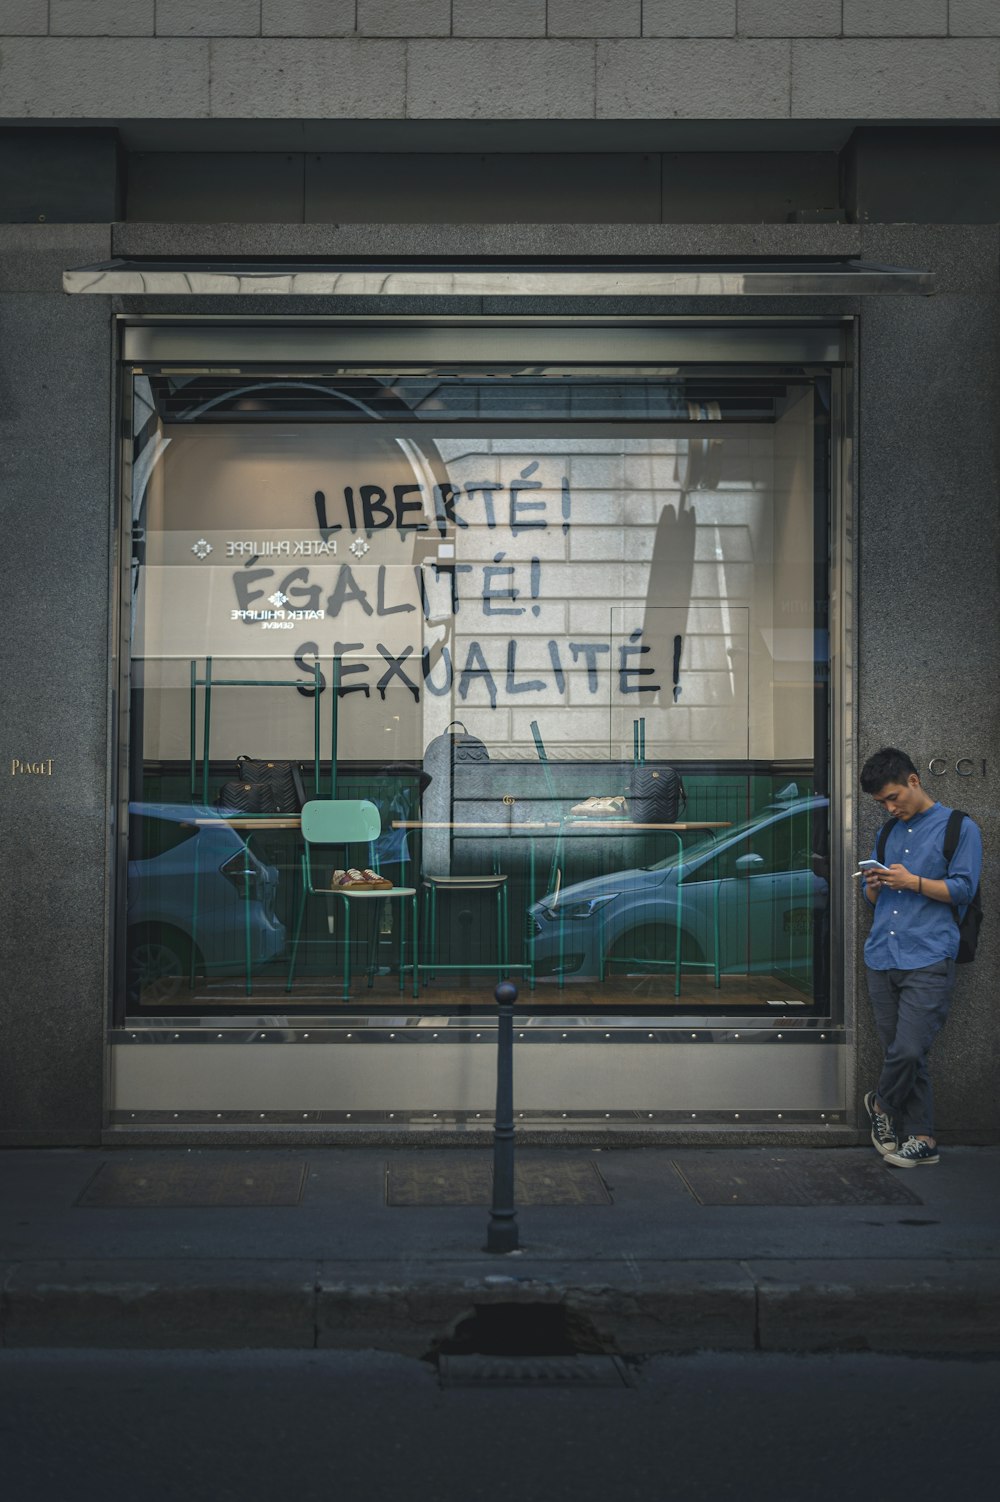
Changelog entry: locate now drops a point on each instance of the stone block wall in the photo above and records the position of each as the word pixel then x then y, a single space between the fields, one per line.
pixel 500 59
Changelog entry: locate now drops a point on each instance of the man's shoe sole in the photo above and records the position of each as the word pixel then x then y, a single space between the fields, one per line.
pixel 911 1162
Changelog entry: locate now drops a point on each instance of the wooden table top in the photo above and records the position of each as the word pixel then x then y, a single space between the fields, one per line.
pixel 251 821
pixel 616 825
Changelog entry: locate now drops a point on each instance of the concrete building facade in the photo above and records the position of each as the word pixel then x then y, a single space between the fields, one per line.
pixel 535 172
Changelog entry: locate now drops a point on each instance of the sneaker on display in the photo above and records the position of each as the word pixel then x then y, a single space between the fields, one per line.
pixel 883 1131
pixel 913 1152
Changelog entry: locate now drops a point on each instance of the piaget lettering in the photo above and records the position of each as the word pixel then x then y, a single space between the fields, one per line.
pixel 19 768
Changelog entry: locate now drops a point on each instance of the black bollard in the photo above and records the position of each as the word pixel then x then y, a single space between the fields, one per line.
pixel 502 1234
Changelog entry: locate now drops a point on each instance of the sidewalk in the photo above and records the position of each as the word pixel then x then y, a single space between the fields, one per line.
pixel 635 1259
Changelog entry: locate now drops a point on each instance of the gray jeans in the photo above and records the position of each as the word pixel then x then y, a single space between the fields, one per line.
pixel 910 1008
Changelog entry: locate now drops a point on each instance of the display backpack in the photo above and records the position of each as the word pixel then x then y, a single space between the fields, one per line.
pixel 970 921
pixel 263 787
pixel 655 794
pixel 454 746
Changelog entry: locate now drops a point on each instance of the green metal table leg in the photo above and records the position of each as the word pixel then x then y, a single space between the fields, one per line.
pixel 295 937
pixel 246 915
pixel 416 949
pixel 207 732
pixel 680 910
pixel 334 715
pixel 715 921
pixel 194 909
pixel 531 900
pixel 193 727
pixel 347 947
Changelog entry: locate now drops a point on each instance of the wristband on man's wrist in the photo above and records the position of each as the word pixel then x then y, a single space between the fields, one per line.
pixel 920 886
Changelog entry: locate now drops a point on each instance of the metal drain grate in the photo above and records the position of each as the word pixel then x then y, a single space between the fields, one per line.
pixel 808 1178
pixel 533 1371
pixel 448 1180
pixel 194 1185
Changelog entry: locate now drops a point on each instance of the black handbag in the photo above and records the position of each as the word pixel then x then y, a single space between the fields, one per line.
pixel 655 794
pixel 284 778
pixel 264 787
pixel 245 798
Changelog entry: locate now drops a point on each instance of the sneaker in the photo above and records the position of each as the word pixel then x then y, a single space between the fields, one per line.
pixel 913 1152
pixel 883 1131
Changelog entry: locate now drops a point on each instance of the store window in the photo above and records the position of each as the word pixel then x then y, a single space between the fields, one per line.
pixel 565 628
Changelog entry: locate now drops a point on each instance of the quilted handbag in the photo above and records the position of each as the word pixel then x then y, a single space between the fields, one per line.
pixel 655 794
pixel 245 798
pixel 282 781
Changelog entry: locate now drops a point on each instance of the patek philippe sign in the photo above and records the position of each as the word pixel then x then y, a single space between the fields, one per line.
pixel 245 547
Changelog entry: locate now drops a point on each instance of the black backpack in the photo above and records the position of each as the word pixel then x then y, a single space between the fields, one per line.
pixel 655 794
pixel 971 921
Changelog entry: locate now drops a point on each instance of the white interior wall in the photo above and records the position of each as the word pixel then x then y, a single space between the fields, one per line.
pixel 723 568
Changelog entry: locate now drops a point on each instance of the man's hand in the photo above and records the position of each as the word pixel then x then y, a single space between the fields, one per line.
pixel 873 884
pixel 898 879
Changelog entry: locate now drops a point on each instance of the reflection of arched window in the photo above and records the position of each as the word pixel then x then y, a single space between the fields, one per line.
pixel 200 399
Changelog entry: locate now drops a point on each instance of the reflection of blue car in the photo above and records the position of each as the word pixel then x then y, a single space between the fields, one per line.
pixel 759 891
pixel 168 936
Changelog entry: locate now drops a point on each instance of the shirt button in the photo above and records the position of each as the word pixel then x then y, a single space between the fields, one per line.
pixel 892 933
pixel 895 912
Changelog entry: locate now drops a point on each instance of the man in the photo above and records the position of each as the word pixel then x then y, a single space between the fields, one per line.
pixel 910 952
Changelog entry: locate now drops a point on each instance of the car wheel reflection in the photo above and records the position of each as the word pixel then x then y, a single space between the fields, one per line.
pixel 650 946
pixel 159 965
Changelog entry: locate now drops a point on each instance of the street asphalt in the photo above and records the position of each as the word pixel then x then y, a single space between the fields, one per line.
pixel 638 1251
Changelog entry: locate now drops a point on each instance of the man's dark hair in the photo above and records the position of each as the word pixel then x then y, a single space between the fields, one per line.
pixel 887 765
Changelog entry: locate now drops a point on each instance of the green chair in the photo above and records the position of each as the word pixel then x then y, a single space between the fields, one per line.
pixel 347 822
pixel 495 883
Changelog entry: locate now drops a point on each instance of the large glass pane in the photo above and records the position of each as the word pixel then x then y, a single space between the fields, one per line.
pixel 565 629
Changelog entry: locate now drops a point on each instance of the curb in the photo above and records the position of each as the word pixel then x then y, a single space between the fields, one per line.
pixel 926 1307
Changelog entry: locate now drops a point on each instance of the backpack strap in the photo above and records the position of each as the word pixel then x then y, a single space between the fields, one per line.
pixel 952 833
pixel 883 836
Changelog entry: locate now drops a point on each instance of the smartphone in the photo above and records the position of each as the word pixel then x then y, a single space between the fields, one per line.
pixel 872 866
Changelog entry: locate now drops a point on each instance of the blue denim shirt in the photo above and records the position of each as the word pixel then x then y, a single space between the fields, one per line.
pixel 911 931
